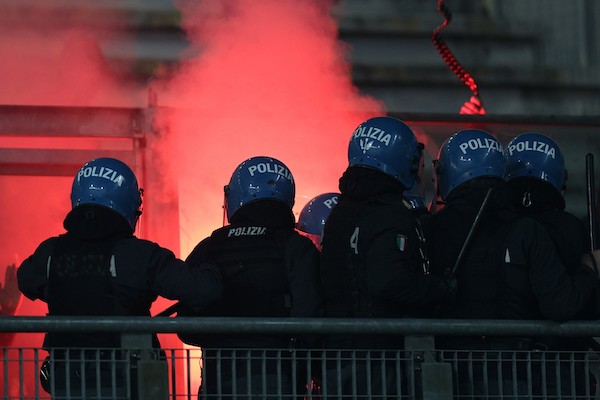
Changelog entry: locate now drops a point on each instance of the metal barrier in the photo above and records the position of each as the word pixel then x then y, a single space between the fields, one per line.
pixel 416 369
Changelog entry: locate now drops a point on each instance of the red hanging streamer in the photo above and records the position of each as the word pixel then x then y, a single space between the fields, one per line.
pixel 474 105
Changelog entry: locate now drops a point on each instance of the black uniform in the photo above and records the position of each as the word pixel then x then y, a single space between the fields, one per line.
pixel 571 241
pixel 98 268
pixel 510 270
pixel 269 270
pixel 546 206
pixel 373 266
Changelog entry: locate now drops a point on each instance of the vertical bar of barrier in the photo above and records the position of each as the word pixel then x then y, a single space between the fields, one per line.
pixel 21 372
pixel 5 370
pixel 188 367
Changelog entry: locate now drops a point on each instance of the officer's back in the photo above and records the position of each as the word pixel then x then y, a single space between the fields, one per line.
pixel 269 270
pixel 372 258
pixel 99 268
pixel 537 180
pixel 508 269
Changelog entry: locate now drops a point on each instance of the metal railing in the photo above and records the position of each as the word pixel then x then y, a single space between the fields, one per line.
pixel 417 368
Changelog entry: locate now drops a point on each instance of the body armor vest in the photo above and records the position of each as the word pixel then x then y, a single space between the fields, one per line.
pixel 483 271
pixel 80 284
pixel 255 274
pixel 255 279
pixel 345 278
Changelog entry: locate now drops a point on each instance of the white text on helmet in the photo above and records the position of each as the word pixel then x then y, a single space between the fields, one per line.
pixel 272 168
pixel 532 146
pixel 480 143
pixel 247 231
pixel 329 203
pixel 373 133
pixel 102 172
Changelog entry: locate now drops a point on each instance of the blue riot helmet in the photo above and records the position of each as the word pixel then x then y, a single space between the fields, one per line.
pixel 414 195
pixel 414 198
pixel 535 155
pixel 388 145
pixel 110 183
pixel 259 178
pixel 313 216
pixel 466 155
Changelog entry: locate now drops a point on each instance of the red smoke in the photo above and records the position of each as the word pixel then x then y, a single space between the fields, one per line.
pixel 262 78
pixel 52 54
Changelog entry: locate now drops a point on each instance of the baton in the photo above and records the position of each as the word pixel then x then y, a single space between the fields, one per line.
pixel 591 211
pixel 591 198
pixel 172 309
pixel 472 230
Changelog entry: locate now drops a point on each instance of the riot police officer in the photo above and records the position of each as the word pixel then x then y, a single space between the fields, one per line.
pixel 372 259
pixel 505 266
pixel 313 216
pixel 269 270
pixel 537 179
pixel 99 268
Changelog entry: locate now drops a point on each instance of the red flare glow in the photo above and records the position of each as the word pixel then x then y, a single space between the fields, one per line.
pixel 261 78
pixel 269 78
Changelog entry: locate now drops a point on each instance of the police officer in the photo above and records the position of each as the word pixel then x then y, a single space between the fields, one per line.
pixel 312 217
pixel 311 223
pixel 536 176
pixel 99 268
pixel 508 269
pixel 372 259
pixel 269 270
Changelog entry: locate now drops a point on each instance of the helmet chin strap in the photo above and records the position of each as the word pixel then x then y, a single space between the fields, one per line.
pixel 138 213
pixel 225 193
pixel 138 221
pixel 526 200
